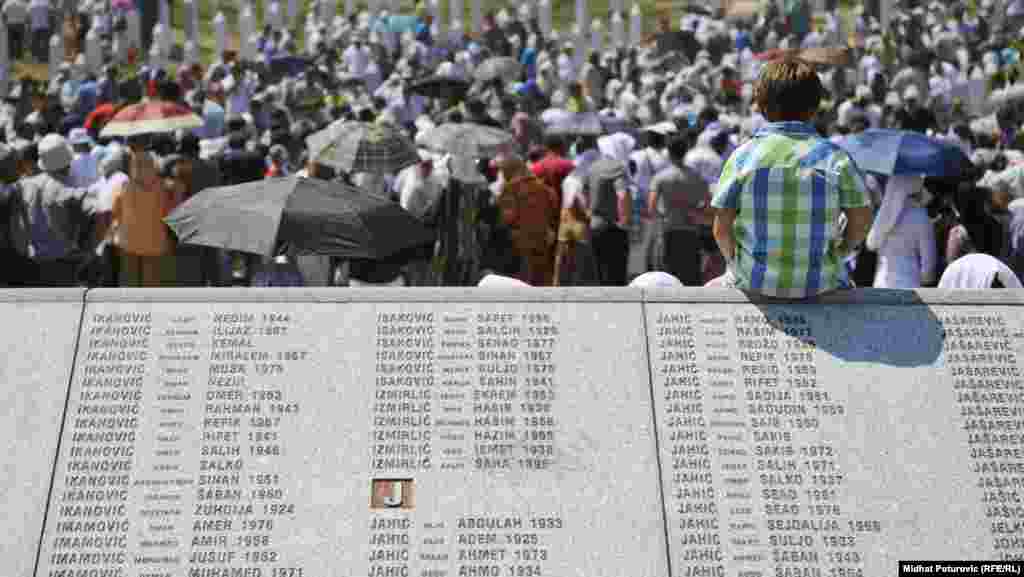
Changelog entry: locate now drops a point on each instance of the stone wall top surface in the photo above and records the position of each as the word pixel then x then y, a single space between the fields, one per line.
pixel 543 295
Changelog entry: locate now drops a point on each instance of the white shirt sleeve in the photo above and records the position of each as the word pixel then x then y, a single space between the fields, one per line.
pixel 572 189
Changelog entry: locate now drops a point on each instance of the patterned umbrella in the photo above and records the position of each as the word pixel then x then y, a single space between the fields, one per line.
pixel 467 140
pixel 151 118
pixel 498 67
pixel 362 147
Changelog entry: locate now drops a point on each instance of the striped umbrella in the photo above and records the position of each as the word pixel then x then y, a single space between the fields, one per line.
pixel 151 117
pixel 362 147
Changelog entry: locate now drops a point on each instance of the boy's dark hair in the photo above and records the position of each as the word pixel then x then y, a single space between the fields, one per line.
pixel 788 90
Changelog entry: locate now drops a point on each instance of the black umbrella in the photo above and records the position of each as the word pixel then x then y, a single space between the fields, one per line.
pixel 440 87
pixel 312 216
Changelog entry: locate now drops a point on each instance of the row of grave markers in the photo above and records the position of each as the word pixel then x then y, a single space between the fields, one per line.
pixel 583 37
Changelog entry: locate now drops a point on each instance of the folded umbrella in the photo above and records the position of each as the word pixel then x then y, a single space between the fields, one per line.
pixel 362 147
pixel 152 117
pixel 309 215
pixel 899 152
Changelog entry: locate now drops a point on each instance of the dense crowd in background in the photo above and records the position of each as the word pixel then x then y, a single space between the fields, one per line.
pixel 560 205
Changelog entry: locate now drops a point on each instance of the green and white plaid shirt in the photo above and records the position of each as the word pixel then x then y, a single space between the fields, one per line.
pixel 789 186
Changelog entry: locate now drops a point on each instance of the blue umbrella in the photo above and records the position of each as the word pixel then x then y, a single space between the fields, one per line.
pixel 396 24
pixel 893 152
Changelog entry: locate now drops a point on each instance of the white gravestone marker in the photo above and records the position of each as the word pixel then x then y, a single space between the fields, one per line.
pixel 636 22
pixel 478 17
pixel 93 51
pixel 544 16
pixel 246 30
pixel 220 38
pixel 56 55
pixel 133 30
pixel 618 31
pixel 596 36
pixel 580 45
pixel 167 39
pixel 5 59
pixel 582 19
pixel 456 11
pixel 275 18
pixel 191 53
pixel 191 16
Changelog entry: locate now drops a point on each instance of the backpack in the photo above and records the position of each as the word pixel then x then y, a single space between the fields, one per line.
pixel 607 208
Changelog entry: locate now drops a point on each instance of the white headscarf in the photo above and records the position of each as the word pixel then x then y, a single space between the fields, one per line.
pixel 656 279
pixel 897 191
pixel 499 282
pixel 977 271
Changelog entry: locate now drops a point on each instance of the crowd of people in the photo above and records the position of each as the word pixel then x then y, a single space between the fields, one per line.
pixel 710 162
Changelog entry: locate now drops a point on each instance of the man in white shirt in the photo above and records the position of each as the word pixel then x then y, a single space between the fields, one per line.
pixel 85 163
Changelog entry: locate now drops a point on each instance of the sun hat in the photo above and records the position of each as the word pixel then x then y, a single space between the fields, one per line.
pixel 54 153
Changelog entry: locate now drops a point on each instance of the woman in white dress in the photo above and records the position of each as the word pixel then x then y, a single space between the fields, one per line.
pixel 903 236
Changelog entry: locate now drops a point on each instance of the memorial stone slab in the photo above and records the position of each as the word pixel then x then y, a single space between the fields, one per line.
pixel 398 432
pixel 801 439
pixel 35 373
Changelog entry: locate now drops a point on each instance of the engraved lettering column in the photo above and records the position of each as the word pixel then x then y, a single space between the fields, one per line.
pixel 495 395
pixel 403 393
pixel 538 392
pixel 691 501
pixel 90 524
pixel 990 391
